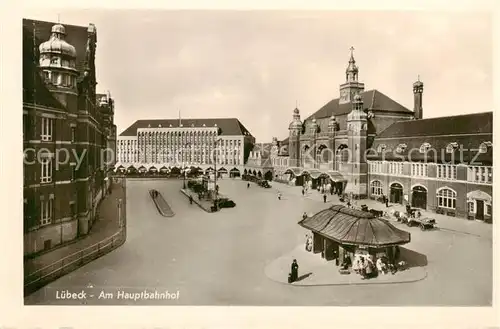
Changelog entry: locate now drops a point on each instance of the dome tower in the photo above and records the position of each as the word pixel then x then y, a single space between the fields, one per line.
pixel 58 67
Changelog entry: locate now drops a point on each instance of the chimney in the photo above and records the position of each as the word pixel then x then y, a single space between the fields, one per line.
pixel 418 89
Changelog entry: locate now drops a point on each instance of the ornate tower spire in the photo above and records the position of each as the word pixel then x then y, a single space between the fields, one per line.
pixel 352 86
pixel 295 129
pixel 351 73
pixel 418 89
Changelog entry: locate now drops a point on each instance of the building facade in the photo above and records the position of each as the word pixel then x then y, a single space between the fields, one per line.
pixel 367 145
pixel 64 134
pixel 203 143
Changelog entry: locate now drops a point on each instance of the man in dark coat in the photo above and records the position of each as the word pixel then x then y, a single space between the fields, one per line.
pixel 324 198
pixel 294 271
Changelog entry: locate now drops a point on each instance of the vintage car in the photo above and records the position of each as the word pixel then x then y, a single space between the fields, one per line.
pixel 264 183
pixel 226 203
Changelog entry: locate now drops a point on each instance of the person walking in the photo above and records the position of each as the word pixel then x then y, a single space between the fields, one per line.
pixel 303 192
pixel 386 200
pixel 190 199
pixel 279 195
pixel 248 185
pixel 324 198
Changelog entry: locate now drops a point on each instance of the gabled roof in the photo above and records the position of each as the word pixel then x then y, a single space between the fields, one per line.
pixel 34 88
pixel 75 36
pixel 228 126
pixel 452 125
pixel 372 99
pixel 467 131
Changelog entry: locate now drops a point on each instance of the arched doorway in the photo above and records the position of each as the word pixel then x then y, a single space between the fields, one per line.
pixel 254 173
pixel 268 176
pixel 259 174
pixel 419 197
pixel 396 193
pixel 244 172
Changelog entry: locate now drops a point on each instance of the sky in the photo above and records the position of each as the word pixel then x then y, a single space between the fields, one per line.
pixel 257 65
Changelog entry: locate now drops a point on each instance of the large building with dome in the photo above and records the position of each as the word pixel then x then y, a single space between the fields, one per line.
pixel 63 115
pixel 367 146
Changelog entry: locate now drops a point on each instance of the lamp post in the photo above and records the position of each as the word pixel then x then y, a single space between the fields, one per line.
pixel 184 170
pixel 215 170
pixel 119 213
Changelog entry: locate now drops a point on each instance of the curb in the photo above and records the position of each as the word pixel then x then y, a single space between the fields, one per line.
pixel 195 201
pixel 350 283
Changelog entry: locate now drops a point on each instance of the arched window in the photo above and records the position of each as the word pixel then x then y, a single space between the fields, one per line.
pixel 425 147
pixel 376 188
pixel 446 198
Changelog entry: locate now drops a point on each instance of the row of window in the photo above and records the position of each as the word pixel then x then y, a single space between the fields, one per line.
pixel 60 79
pixel 480 174
pixel 445 197
pixel 425 147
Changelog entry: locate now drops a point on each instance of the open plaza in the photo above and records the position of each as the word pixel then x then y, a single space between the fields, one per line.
pixel 242 255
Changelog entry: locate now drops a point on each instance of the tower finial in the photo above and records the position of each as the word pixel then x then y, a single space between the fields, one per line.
pixel 418 78
pixel 352 50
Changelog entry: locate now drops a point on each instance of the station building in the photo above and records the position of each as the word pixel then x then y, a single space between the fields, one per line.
pixel 367 145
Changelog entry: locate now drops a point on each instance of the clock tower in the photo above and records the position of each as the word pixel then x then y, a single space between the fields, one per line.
pixel 352 86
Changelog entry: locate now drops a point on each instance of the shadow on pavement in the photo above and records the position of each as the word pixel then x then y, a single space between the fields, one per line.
pixel 413 258
pixel 303 276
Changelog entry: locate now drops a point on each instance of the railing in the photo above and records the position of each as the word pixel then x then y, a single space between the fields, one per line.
pixel 49 273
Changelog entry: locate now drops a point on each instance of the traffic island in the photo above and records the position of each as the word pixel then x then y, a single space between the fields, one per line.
pixel 204 204
pixel 160 203
pixel 316 271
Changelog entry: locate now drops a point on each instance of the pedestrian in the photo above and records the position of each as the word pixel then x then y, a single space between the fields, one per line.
pixel 324 198
pixel 248 185
pixel 279 195
pixel 304 216
pixel 303 192
pixel 294 273
pixel 190 199
pixel 386 202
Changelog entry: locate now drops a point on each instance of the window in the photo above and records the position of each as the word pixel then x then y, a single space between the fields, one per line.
pixel 425 147
pixel 46 212
pixel 447 198
pixel 55 78
pixel 376 188
pixel 73 134
pixel 47 127
pixel 470 207
pixel 46 174
pixel 488 209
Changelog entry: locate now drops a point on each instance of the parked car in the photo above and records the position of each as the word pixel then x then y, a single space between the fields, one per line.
pixel 226 203
pixel 264 183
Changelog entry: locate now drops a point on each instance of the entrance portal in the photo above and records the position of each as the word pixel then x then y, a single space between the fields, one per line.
pixel 419 197
pixel 480 209
pixel 396 193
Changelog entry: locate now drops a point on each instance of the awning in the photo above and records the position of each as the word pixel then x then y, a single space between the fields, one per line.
pixel 222 170
pixel 235 170
pixel 314 173
pixel 336 176
pixel 294 170
pixel 355 227
pixel 479 195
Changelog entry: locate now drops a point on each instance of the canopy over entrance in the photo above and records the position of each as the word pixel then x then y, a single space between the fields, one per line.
pixel 296 171
pixel 355 227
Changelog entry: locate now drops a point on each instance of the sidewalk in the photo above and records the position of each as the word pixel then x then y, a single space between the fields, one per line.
pixel 105 226
pixel 452 224
pixel 315 271
pixel 203 204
